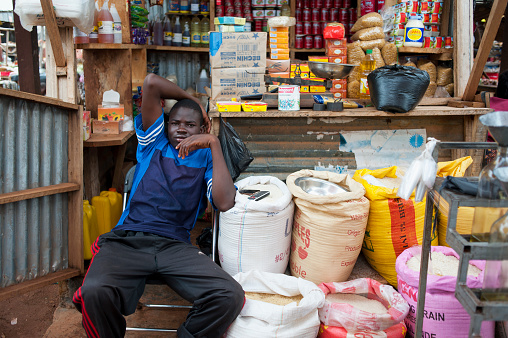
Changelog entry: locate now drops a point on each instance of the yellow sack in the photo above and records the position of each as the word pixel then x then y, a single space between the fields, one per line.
pixel 394 224
pixel 455 168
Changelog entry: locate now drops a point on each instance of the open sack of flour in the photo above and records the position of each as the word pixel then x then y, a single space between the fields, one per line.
pixel 363 305
pixel 277 305
pixel 257 234
pixel 443 315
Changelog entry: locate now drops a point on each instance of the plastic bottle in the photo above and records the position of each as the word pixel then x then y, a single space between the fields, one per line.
pixel 195 32
pixel 117 24
pixel 496 272
pixel 93 37
pixel 174 6
pixel 205 32
pixel 79 36
pixel 194 6
pixel 186 37
pixel 168 32
pixel 177 33
pixel 413 33
pixel 184 6
pixel 105 23
pixel 367 65
pixel 158 33
pixel 204 7
pixel 203 81
pixel 108 206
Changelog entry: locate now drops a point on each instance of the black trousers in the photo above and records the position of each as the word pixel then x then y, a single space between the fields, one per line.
pixel 116 280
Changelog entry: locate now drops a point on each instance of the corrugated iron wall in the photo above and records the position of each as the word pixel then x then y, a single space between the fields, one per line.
pixel 33 153
pixel 185 66
pixel 282 145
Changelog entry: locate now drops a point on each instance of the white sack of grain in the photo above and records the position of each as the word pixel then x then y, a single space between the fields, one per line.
pixel 444 316
pixel 345 305
pixel 327 230
pixel 260 319
pixel 257 234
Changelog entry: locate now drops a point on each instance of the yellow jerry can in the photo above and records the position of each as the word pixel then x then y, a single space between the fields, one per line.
pixel 90 228
pixel 109 209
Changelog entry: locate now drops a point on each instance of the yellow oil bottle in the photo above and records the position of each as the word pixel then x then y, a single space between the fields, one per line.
pixel 90 228
pixel 109 209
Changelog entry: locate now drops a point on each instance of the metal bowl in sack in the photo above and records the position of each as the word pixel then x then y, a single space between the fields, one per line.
pixel 319 187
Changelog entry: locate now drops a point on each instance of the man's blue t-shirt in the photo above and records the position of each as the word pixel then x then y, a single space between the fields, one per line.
pixel 168 193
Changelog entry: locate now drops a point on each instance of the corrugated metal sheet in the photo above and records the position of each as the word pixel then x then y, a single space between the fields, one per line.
pixel 281 146
pixel 33 153
pixel 185 66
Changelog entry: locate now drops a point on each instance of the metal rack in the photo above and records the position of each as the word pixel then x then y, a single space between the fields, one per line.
pixel 477 309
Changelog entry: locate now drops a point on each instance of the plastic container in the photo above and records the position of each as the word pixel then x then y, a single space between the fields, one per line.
pixel 174 6
pixel 105 25
pixel 186 36
pixel 177 33
pixel 90 228
pixel 94 34
pixel 367 65
pixel 194 6
pixel 413 34
pixel 195 32
pixel 229 106
pixel 79 36
pixel 117 24
pixel 254 106
pixel 203 81
pixel 158 33
pixel 109 209
pixel 168 32
pixel 205 32
pixel 184 7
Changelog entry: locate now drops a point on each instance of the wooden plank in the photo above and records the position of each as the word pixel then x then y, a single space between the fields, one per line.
pixel 91 173
pixel 75 198
pixel 53 32
pixel 104 140
pixel 420 50
pixel 463 44
pixel 465 104
pixel 54 277
pixel 21 195
pixel 496 14
pixel 118 179
pixel 91 46
pixel 504 53
pixel 38 98
pixel 27 52
pixel 445 18
pixel 138 67
pixel 435 101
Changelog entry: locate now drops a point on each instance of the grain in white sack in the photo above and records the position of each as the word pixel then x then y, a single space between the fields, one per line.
pixel 273 298
pixel 442 265
pixel 357 301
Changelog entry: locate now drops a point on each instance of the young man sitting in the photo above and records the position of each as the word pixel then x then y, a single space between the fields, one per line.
pixel 174 176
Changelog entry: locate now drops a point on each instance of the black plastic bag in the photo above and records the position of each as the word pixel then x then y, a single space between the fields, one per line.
pixel 236 154
pixel 397 89
pixel 204 241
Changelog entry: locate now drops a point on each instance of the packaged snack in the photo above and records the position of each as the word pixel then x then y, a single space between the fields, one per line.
pixel 444 76
pixel 371 33
pixel 377 56
pixel 389 53
pixel 368 20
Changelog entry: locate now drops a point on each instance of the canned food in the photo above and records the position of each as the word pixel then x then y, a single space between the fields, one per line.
pixel 306 16
pixel 353 15
pixel 426 42
pixel 299 28
pixel 298 42
pixel 238 12
pixel 448 42
pixel 316 14
pixel 308 42
pixel 299 3
pixel 218 2
pixel 343 15
pixel 427 30
pixel 258 14
pixel 298 14
pixel 219 11
pixel 426 18
pixel 412 7
pixel 334 14
pixel 307 27
pixel 247 10
pixel 318 41
pixel 328 3
pixel 316 27
pixel 400 18
pixel 439 42
pixel 306 4
pixel 437 7
pixel 323 25
pixel 435 18
pixel 346 3
pixel 424 7
pixel 319 3
pixel 228 3
pixel 338 4
pixel 248 16
pixel 325 14
pixel 246 3
pixel 399 41
pixel 229 11
pixel 237 3
pixel 258 3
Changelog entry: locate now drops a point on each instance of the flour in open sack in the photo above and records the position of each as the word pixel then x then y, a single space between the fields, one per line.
pixel 441 265
pixel 273 298
pixel 358 301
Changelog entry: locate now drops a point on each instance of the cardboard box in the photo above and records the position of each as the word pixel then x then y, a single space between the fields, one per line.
pixel 279 56
pixel 336 51
pixel 235 82
pixel 87 124
pixel 107 127
pixel 229 20
pixel 279 30
pixel 276 66
pixel 318 58
pixel 302 75
pixel 338 59
pixel 339 84
pixel 110 114
pixel 340 94
pixel 317 89
pixel 304 89
pixel 238 50
pixel 279 51
pixel 279 46
pixel 278 35
pixel 335 43
pixel 304 68
pixel 279 40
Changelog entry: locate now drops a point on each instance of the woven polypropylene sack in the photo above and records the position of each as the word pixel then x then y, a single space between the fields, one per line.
pixel 327 230
pixel 394 224
pixel 397 89
pixel 396 331
pixel 257 234
pixel 261 319
pixel 444 316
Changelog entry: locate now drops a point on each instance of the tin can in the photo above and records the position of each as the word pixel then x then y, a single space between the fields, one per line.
pixel 346 4
pixel 258 25
pixel 334 14
pixel 307 28
pixel 248 17
pixel 247 10
pixel 258 3
pixel 299 3
pixel 229 11
pixel 246 3
pixel 426 18
pixel 400 18
pixel 424 7
pixel 306 16
pixel 237 3
pixel 338 4
pixel 325 14
pixel 218 2
pixel 379 5
pixel 298 14
pixel 298 42
pixel 319 3
pixel 318 41
pixel 228 2
pixel 435 18
pixel 399 41
pixel 439 42
pixel 412 7
pixel 316 27
pixel 308 42
pixel 299 28
pixel 238 12
pixel 306 4
pixel 426 42
pixel 258 14
pixel 434 30
pixel 323 25
pixel 448 42
pixel 219 11
pixel 427 30
pixel 437 7
pixel 316 14
pixel 328 3
pixel 353 15
pixel 343 16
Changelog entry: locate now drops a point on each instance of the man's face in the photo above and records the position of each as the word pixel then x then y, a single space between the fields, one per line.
pixel 183 122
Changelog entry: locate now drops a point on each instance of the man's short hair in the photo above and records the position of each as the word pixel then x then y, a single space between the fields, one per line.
pixel 190 104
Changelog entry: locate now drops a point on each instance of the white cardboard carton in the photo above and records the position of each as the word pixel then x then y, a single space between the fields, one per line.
pixel 235 82
pixel 238 50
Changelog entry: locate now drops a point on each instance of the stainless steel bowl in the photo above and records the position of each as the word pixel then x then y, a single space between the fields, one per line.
pixel 330 70
pixel 316 186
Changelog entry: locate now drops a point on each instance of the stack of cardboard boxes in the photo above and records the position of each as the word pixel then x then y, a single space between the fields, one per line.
pixel 336 52
pixel 109 120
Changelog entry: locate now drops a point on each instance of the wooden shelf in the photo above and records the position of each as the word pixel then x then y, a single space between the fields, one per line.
pixel 304 50
pixel 113 46
pixel 425 50
pixel 106 140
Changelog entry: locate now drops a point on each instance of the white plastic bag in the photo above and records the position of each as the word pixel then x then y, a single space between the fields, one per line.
pixel 77 13
pixel 261 319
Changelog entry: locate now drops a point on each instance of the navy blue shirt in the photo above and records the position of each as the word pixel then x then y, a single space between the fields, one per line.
pixel 168 193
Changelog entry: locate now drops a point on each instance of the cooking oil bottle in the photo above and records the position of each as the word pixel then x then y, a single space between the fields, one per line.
pixel 367 65
pixel 195 32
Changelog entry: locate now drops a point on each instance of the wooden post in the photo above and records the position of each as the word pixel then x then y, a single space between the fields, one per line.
pixel 53 33
pixel 496 14
pixel 504 52
pixel 28 57
pixel 463 44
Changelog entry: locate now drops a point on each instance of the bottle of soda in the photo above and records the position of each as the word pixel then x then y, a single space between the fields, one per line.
pixel 367 65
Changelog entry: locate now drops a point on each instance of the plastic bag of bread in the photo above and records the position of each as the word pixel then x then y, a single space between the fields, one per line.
pixel 353 89
pixel 431 89
pixel 430 68
pixel 370 44
pixel 450 88
pixel 370 33
pixel 355 54
pixel 368 20
pixel 389 53
pixel 444 76
pixel 376 53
